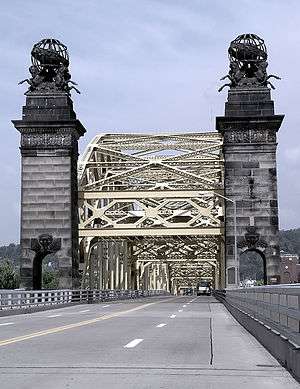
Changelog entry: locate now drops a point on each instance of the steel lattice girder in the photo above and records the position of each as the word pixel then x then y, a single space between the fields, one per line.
pixel 136 161
pixel 157 190
pixel 177 248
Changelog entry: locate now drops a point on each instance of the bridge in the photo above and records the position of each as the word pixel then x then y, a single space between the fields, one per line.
pixel 136 226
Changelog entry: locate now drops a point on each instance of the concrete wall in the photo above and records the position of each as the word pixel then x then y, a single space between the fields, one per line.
pixel 279 306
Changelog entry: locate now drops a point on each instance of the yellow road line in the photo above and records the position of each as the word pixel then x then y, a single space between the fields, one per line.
pixel 74 325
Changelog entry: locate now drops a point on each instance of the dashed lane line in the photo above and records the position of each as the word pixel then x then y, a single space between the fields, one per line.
pixel 6 324
pixel 54 315
pixel 180 310
pixel 84 311
pixel 74 325
pixel 105 306
pixel 172 316
pixel 161 325
pixel 133 343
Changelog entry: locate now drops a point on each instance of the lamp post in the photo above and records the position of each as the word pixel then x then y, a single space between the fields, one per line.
pixel 234 222
pixel 234 226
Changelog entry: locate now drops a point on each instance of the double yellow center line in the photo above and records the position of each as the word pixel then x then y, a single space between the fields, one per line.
pixel 70 326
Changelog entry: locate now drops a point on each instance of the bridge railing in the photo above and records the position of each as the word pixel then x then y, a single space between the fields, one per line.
pixel 17 299
pixel 277 305
pixel 272 315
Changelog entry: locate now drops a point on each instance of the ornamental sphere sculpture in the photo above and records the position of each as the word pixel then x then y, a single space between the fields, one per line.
pixel 49 53
pixel 49 70
pixel 248 63
pixel 247 48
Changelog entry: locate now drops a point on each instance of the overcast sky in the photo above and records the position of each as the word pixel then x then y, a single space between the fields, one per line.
pixel 148 65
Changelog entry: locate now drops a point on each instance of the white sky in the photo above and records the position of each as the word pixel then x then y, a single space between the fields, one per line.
pixel 148 65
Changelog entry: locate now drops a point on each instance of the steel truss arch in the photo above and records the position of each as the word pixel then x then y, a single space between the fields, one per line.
pixel 149 215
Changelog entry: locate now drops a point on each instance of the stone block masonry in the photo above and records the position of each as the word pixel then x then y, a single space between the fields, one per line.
pixel 249 128
pixel 49 204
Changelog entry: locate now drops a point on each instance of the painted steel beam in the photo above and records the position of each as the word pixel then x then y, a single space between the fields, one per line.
pixel 175 262
pixel 124 195
pixel 150 232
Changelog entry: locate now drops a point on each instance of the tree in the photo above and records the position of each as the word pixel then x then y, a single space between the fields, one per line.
pixel 9 278
pixel 251 266
pixel 11 252
pixel 50 279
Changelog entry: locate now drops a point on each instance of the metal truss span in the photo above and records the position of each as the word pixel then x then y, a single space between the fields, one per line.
pixel 149 211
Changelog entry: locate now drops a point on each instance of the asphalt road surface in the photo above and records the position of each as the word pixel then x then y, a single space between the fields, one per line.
pixel 161 342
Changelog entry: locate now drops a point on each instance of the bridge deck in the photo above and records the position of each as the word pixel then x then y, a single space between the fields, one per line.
pixel 171 342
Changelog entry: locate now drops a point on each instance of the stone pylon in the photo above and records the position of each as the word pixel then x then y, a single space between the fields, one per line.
pixel 49 199
pixel 250 127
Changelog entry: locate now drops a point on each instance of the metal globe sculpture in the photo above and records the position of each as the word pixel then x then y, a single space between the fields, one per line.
pixel 49 53
pixel 49 70
pixel 247 48
pixel 248 63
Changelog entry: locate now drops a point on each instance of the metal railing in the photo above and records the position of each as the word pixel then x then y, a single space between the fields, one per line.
pixel 272 315
pixel 16 299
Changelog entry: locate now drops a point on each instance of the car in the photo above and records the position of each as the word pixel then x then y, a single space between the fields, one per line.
pixel 203 288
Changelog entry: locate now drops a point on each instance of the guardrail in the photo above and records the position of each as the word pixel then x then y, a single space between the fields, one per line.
pixel 272 314
pixel 16 299
pixel 279 306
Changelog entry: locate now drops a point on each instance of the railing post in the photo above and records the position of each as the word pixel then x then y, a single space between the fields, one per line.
pixel 89 296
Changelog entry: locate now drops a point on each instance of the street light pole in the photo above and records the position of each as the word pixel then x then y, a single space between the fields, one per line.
pixel 235 226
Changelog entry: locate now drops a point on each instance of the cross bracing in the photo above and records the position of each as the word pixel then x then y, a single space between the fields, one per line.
pixel 158 195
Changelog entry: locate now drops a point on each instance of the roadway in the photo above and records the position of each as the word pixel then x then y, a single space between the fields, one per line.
pixel 161 342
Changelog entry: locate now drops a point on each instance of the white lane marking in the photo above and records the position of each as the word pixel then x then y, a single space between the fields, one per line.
pixel 6 324
pixel 187 303
pixel 184 306
pixel 161 325
pixel 180 310
pixel 53 315
pixel 133 343
pixel 85 310
pixel 105 306
pixel 172 316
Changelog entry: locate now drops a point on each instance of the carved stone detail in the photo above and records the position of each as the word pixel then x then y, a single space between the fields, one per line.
pixel 46 140
pixel 45 244
pixel 250 136
pixel 252 240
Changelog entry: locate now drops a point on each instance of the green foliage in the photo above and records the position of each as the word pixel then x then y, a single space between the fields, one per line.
pixel 289 241
pixel 259 283
pixel 50 278
pixel 11 252
pixel 251 266
pixel 9 277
